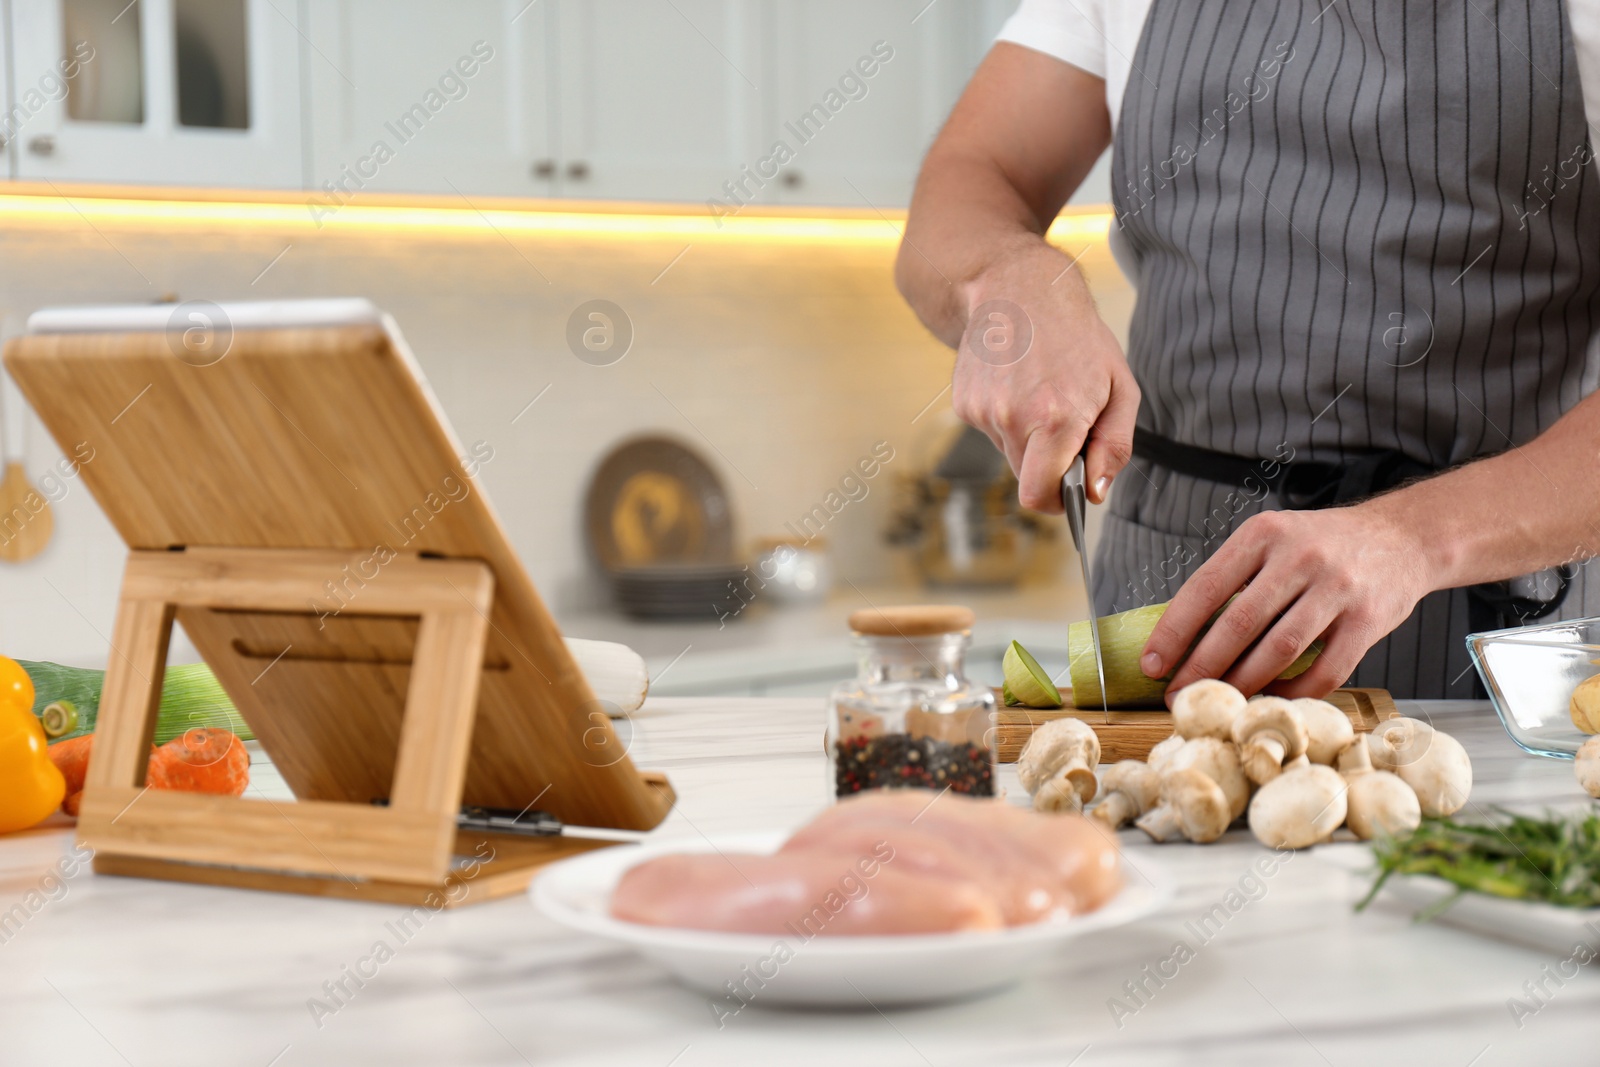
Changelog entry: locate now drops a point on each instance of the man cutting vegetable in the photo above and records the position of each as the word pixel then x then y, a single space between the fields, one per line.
pixel 1359 384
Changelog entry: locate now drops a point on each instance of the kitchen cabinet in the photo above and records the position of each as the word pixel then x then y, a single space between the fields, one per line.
pixel 858 139
pixel 857 93
pixel 422 96
pixel 719 103
pixel 188 92
pixel 604 99
pixel 659 99
pixel 10 120
pixel 678 100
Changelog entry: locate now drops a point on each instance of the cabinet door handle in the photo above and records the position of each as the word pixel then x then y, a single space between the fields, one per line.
pixel 577 170
pixel 544 168
pixel 42 145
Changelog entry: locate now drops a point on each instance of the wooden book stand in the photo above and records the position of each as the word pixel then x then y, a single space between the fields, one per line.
pixel 300 506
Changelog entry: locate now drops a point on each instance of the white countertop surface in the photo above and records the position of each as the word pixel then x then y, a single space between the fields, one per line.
pixel 103 970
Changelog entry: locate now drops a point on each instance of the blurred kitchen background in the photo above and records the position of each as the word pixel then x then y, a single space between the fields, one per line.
pixel 716 429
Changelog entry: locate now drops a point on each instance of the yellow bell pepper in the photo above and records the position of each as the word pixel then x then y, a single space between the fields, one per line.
pixel 31 786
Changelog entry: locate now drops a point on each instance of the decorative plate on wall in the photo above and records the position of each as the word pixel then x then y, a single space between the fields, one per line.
pixel 654 501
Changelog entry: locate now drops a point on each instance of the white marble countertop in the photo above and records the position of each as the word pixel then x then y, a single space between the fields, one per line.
pixel 99 970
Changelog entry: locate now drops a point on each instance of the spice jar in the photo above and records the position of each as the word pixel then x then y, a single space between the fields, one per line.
pixel 911 719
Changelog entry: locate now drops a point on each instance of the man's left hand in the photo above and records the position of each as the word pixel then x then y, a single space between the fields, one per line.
pixel 1346 575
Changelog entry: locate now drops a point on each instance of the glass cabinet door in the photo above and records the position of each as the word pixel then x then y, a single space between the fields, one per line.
pixel 179 92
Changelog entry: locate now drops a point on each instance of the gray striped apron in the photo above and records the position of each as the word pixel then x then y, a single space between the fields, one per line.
pixel 1353 226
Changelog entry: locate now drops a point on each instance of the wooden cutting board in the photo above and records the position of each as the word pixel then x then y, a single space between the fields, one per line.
pixel 327 439
pixel 1132 734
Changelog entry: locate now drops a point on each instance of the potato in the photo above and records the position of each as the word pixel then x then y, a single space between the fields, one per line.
pixel 1586 705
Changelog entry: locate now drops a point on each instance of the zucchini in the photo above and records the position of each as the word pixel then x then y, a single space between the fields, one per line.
pixel 59 718
pixel 1122 639
pixel 191 697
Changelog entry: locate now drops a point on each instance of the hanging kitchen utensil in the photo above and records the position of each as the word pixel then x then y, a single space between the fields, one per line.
pixel 25 519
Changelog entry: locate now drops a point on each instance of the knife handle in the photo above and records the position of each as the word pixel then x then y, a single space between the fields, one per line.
pixel 1073 493
pixel 1075 474
pixel 1074 500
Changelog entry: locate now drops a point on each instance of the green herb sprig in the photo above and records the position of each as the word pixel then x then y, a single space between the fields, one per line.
pixel 1555 859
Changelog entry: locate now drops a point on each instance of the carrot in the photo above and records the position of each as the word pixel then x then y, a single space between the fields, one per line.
pixel 202 760
pixel 198 761
pixel 71 758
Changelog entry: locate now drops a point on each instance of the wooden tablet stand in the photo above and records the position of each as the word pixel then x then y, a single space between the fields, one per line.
pixel 438 679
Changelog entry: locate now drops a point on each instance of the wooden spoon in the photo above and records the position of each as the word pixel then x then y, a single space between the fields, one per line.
pixel 25 519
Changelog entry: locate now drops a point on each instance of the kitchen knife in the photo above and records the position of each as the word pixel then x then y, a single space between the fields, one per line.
pixel 1076 502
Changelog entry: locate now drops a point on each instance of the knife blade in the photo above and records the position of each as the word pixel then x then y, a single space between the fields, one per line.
pixel 1075 500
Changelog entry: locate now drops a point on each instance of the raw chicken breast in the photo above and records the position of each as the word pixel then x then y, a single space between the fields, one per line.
pixel 805 894
pixel 1083 856
pixel 1024 892
pixel 893 862
pixel 1065 857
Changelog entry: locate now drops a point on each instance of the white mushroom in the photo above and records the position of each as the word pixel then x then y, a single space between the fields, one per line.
pixel 1299 807
pixel 1057 765
pixel 1328 729
pixel 1206 708
pixel 1432 763
pixel 1269 733
pixel 1219 761
pixel 1379 802
pixel 1130 788
pixel 1587 766
pixel 1162 752
pixel 1192 806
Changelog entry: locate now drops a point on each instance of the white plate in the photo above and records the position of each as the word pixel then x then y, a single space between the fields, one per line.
pixel 1523 922
pixel 825 971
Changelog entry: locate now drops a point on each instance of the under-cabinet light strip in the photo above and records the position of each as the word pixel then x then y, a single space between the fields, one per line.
pixel 355 216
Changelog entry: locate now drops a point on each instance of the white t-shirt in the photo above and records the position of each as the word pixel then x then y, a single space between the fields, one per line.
pixel 1101 36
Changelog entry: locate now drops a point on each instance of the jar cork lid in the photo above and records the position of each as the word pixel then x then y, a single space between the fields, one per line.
pixel 912 620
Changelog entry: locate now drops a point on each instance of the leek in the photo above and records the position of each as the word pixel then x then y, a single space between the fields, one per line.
pixel 191 697
pixel 1122 640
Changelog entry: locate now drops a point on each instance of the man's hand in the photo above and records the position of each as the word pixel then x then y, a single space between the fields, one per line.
pixel 1347 575
pixel 1038 404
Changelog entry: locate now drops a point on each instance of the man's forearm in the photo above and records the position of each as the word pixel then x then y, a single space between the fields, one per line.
pixel 965 220
pixel 1523 510
pixel 1021 139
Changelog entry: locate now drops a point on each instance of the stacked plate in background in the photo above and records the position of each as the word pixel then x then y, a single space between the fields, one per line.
pixel 681 590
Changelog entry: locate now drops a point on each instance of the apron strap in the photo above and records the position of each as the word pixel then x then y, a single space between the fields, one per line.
pixel 1306 486
pixel 1299 485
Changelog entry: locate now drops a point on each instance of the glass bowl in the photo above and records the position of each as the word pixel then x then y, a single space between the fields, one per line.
pixel 1530 673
